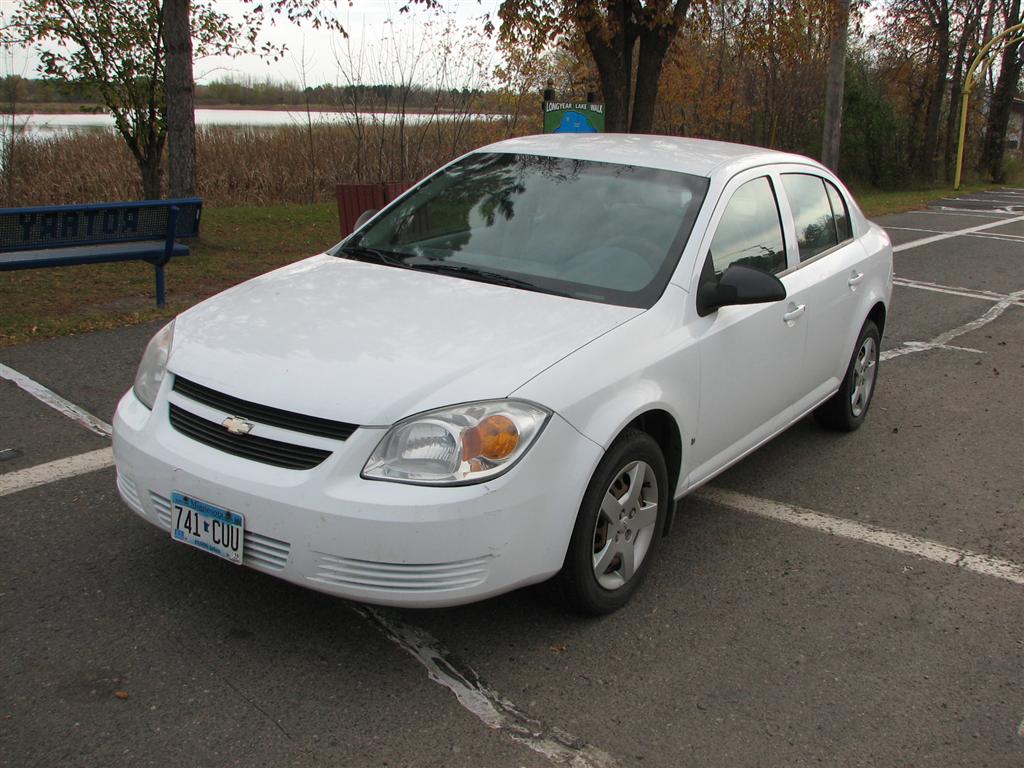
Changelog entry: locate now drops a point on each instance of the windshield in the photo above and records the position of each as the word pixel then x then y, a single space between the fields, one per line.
pixel 594 231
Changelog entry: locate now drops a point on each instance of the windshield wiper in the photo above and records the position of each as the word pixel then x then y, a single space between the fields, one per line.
pixel 480 275
pixel 365 253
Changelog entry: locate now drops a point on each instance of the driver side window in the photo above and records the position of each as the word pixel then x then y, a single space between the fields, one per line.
pixel 750 231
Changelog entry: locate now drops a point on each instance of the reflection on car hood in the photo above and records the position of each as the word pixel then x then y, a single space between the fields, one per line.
pixel 370 344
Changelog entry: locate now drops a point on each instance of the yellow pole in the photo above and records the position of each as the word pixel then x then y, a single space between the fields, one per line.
pixel 960 141
pixel 970 80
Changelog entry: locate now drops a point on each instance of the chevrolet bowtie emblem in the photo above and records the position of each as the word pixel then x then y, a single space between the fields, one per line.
pixel 236 426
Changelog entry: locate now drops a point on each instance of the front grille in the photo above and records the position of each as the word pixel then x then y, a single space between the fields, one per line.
pixel 273 452
pixel 264 414
pixel 401 577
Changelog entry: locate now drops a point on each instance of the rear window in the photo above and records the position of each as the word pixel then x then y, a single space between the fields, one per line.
pixel 812 213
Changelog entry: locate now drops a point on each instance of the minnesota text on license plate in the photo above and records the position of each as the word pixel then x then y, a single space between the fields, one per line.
pixel 207 526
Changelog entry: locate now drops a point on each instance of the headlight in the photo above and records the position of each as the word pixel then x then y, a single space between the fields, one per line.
pixel 153 366
pixel 463 444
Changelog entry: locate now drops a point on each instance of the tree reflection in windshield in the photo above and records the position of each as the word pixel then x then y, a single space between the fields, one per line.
pixel 592 230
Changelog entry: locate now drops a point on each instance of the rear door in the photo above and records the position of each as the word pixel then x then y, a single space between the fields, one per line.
pixel 826 278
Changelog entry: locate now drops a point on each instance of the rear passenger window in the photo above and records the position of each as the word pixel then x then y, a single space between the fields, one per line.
pixel 812 213
pixel 750 231
pixel 840 211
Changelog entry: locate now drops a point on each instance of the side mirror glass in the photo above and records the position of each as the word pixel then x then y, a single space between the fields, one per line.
pixel 737 285
pixel 364 217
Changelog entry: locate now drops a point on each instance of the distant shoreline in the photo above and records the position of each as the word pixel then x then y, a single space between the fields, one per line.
pixel 70 108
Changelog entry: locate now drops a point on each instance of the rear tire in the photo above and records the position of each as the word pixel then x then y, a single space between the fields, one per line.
pixel 618 528
pixel 846 409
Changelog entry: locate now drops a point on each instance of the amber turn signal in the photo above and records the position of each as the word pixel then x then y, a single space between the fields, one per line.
pixel 494 438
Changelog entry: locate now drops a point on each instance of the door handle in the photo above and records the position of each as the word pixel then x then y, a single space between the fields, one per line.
pixel 855 278
pixel 793 314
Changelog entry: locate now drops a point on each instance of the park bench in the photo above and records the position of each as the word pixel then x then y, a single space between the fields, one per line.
pixel 59 235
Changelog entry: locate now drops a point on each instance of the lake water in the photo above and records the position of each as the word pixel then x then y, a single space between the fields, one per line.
pixel 47 125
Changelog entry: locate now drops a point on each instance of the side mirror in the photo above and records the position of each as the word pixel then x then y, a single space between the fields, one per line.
pixel 737 285
pixel 364 217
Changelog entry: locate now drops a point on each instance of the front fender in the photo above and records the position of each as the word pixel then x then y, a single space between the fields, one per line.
pixel 648 363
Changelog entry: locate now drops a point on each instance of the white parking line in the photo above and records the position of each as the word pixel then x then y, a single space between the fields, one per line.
pixel 955 233
pixel 914 229
pixel 942 340
pixel 976 211
pixel 1000 238
pixel 51 472
pixel 492 710
pixel 977 235
pixel 1004 199
pixel 900 542
pixel 953 290
pixel 55 401
pixel 953 212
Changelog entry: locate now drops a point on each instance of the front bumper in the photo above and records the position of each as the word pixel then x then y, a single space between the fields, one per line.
pixel 377 542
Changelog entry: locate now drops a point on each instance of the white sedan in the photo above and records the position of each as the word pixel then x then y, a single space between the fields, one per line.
pixel 512 372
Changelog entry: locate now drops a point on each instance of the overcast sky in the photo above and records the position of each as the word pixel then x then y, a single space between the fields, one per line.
pixel 367 22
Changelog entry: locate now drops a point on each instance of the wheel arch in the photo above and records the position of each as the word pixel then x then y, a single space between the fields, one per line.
pixel 662 427
pixel 877 316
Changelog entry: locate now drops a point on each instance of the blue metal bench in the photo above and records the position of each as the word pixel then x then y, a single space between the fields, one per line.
pixel 58 235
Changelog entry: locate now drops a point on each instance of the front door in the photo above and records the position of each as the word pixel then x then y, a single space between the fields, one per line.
pixel 750 356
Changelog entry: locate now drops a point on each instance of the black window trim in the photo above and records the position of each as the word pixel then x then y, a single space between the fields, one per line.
pixel 846 210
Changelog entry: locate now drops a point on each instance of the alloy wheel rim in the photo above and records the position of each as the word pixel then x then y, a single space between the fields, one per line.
pixel 863 376
pixel 625 524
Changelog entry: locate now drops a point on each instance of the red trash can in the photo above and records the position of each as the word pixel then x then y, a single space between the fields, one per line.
pixel 354 199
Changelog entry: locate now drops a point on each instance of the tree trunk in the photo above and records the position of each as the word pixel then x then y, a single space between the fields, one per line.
pixel 835 85
pixel 180 87
pixel 999 107
pixel 613 57
pixel 152 176
pixel 629 100
pixel 654 45
pixel 930 144
pixel 956 84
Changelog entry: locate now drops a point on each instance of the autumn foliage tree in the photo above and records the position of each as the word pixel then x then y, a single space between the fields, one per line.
pixel 751 71
pixel 1006 88
pixel 628 41
pixel 922 49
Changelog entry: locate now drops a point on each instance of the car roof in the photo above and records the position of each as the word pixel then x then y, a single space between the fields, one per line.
pixel 700 157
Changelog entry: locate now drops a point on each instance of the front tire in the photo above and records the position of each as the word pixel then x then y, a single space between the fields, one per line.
pixel 618 528
pixel 846 409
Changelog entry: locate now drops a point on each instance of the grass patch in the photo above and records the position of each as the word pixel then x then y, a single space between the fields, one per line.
pixel 236 244
pixel 876 202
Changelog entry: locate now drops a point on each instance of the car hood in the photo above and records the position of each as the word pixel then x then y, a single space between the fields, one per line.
pixel 370 344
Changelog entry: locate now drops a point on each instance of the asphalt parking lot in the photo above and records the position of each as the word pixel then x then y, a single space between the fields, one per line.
pixel 836 600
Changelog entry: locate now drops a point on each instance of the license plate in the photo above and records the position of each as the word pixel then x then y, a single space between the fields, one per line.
pixel 208 527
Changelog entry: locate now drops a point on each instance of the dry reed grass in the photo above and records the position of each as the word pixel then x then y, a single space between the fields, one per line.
pixel 243 165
